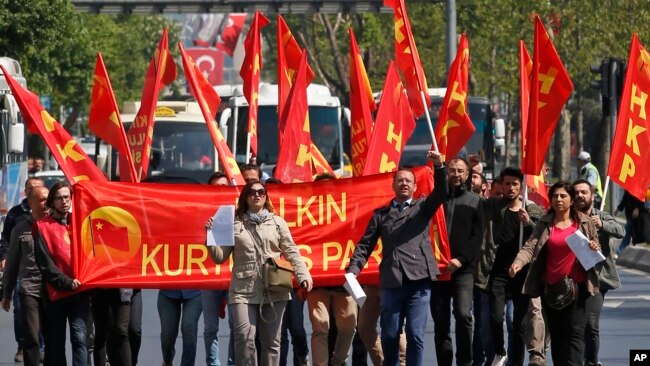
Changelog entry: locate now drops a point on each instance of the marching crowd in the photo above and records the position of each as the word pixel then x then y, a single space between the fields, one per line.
pixel 510 262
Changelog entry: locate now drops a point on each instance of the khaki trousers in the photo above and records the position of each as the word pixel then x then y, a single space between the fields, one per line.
pixel 320 302
pixel 537 338
pixel 247 322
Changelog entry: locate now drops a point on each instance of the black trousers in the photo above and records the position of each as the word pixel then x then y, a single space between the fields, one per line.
pixel 593 307
pixel 135 325
pixel 460 289
pixel 500 287
pixel 567 328
pixel 32 308
pixel 111 324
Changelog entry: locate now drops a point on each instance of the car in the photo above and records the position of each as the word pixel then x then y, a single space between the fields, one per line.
pixel 50 177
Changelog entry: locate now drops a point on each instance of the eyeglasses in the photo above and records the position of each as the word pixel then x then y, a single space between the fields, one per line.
pixel 257 192
pixel 62 198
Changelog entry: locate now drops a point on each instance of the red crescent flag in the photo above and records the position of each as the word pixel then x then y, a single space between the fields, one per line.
pixel 454 127
pixel 209 101
pixel 631 144
pixel 294 157
pixel 550 89
pixel 250 73
pixel 104 117
pixel 408 59
pixel 72 159
pixel 230 34
pixel 161 72
pixel 362 104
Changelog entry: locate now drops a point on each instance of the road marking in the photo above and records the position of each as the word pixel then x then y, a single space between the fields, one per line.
pixel 635 297
pixel 612 304
pixel 634 271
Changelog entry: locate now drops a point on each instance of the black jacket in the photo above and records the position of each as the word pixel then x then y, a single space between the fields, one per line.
pixel 406 251
pixel 464 216
pixel 15 215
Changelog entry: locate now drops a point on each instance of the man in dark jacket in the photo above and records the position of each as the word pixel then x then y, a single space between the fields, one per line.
pixel 408 265
pixel 463 212
pixel 608 276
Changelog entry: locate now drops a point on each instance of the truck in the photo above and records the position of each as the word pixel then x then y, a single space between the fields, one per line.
pixel 13 154
pixel 329 131
pixel 488 141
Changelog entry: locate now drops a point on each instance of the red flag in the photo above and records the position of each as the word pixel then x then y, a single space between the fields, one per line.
pixel 550 89
pixel 362 103
pixel 393 127
pixel 454 126
pixel 319 165
pixel 162 71
pixel 294 157
pixel 104 117
pixel 250 72
pixel 209 101
pixel 289 53
pixel 72 159
pixel 230 34
pixel 408 59
pixel 537 189
pixel 631 144
pixel 525 71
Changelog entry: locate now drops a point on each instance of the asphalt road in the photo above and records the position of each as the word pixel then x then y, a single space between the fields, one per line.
pixel 624 325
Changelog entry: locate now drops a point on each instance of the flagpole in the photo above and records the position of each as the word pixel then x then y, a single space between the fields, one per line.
pixel 521 224
pixel 602 203
pixel 248 147
pixel 429 124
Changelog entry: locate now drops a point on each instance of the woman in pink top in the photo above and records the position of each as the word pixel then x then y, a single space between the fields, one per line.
pixel 551 260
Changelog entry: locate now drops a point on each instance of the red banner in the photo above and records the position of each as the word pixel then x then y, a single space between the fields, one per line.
pixel 153 235
pixel 631 144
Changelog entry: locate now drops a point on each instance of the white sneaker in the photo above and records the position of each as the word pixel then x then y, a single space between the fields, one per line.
pixel 500 360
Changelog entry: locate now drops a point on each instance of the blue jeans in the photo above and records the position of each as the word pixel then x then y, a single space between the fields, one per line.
pixel 211 302
pixel 75 310
pixel 411 301
pixel 483 349
pixel 293 322
pixel 18 316
pixel 629 227
pixel 170 311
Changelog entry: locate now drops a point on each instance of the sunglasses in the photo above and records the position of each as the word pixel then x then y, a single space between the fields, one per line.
pixel 257 192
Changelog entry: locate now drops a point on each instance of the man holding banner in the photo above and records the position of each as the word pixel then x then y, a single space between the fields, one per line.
pixel 408 265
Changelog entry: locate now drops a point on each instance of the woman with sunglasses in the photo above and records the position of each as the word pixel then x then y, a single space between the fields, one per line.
pixel 259 235
pixel 551 262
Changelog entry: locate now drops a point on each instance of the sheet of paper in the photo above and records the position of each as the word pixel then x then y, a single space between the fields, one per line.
pixel 354 289
pixel 222 232
pixel 579 244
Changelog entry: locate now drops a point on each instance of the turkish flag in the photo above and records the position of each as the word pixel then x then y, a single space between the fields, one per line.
pixel 362 104
pixel 393 127
pixel 454 126
pixel 550 89
pixel 210 62
pixel 209 101
pixel 104 117
pixel 72 159
pixel 294 157
pixel 230 33
pixel 250 73
pixel 408 59
pixel 631 144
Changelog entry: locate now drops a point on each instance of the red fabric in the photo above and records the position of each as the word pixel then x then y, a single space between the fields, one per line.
pixel 250 73
pixel 161 72
pixel 57 239
pixel 72 159
pixel 209 101
pixel 230 34
pixel 560 260
pixel 362 103
pixel 454 126
pixel 631 144
pixel 525 72
pixel 550 87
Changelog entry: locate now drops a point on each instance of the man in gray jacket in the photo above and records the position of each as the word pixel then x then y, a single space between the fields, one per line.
pixel 608 276
pixel 408 265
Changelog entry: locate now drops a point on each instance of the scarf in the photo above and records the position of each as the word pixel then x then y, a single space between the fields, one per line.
pixel 258 217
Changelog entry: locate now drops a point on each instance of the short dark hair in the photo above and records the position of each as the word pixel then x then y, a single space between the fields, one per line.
pixel 497 180
pixel 458 158
pixel 33 178
pixel 54 190
pixel 324 176
pixel 251 166
pixel 273 180
pixel 568 187
pixel 512 172
pixel 217 176
pixel 592 188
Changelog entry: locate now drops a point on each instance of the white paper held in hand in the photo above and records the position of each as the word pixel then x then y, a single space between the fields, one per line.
pixel 222 232
pixel 354 289
pixel 579 244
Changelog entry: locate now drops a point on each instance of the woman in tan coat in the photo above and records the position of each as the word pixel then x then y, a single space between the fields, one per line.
pixel 259 235
pixel 551 261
